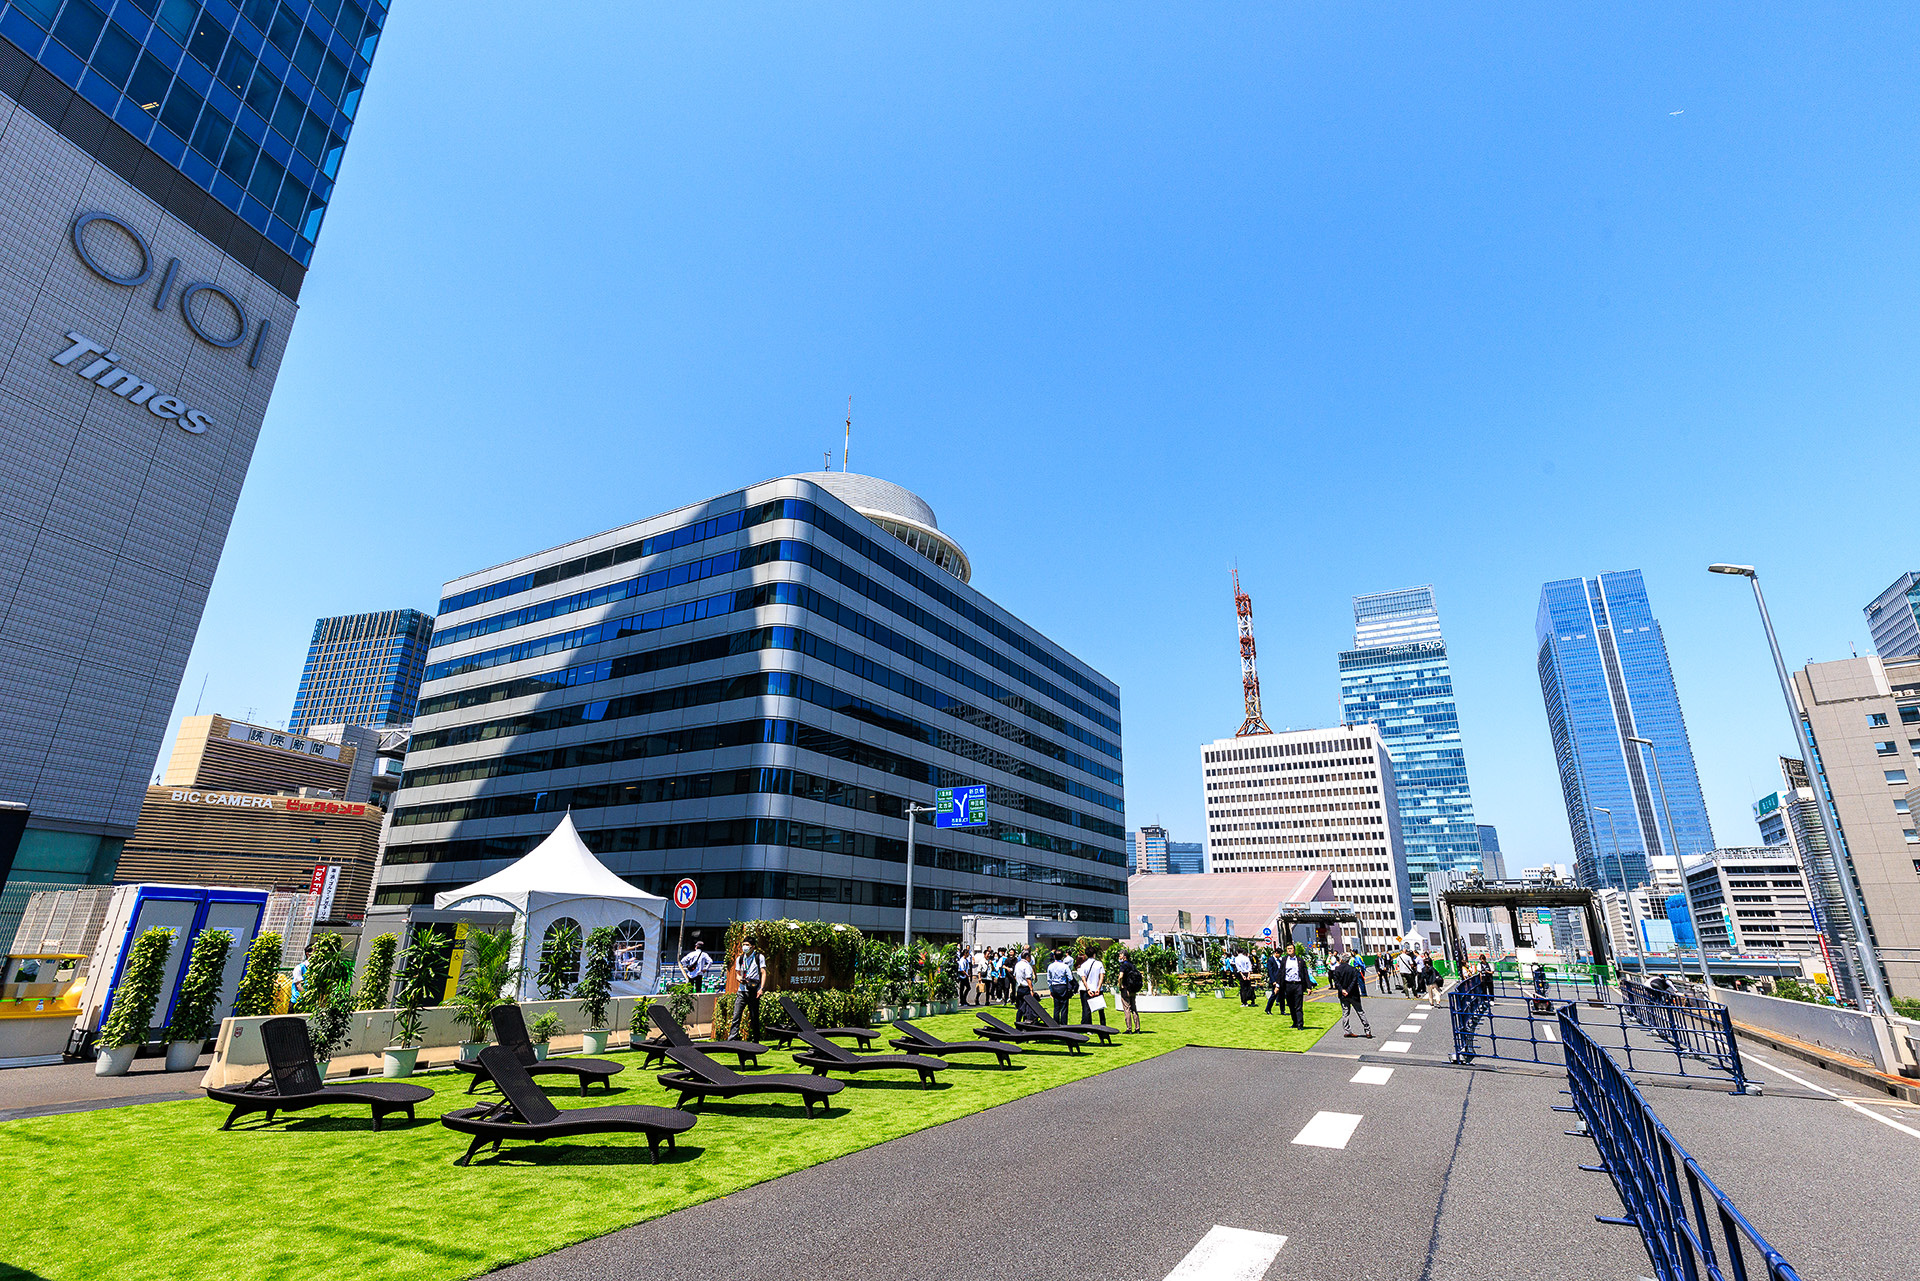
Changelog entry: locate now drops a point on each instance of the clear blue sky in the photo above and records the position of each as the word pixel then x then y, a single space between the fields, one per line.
pixel 1360 297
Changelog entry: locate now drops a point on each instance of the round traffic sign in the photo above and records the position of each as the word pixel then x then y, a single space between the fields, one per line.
pixel 684 893
pixel 1268 932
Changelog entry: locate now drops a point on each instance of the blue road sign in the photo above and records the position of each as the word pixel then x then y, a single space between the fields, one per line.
pixel 960 807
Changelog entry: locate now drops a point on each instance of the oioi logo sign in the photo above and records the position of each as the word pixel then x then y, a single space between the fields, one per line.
pixel 91 360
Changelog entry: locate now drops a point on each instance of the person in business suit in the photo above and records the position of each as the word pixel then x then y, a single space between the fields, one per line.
pixel 1350 981
pixel 1296 976
pixel 1271 966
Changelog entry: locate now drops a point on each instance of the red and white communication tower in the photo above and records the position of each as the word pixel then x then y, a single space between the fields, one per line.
pixel 1249 678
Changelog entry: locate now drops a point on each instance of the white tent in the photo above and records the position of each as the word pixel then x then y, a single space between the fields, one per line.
pixel 561 880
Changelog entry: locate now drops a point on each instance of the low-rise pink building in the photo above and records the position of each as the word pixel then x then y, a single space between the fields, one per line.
pixel 1242 904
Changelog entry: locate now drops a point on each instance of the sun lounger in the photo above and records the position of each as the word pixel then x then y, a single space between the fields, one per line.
pixel 998 1031
pixel 673 1034
pixel 797 1022
pixel 700 1076
pixel 292 1082
pixel 526 1114
pixel 1033 1018
pixel 824 1056
pixel 917 1042
pixel 510 1031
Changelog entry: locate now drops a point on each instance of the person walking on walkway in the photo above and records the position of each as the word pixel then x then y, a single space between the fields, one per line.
pixel 1093 977
pixel 1130 985
pixel 1060 985
pixel 1403 969
pixel 1271 965
pixel 1430 980
pixel 748 970
pixel 1350 981
pixel 1243 969
pixel 1296 976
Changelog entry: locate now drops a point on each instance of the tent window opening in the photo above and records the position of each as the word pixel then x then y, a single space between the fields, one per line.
pixel 560 951
pixel 629 949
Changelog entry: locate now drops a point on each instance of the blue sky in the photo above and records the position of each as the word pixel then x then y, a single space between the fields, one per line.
pixel 1354 296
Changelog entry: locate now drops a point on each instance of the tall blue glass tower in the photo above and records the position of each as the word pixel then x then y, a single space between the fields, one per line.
pixel 1397 677
pixel 1605 677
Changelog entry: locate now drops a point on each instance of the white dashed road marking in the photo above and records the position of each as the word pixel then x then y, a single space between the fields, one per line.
pixel 1229 1254
pixel 1328 1130
pixel 1546 1030
pixel 1418 1014
pixel 1408 1027
pixel 1371 1076
pixel 1397 1047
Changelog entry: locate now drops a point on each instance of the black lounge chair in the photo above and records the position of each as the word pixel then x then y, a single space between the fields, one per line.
pixel 998 1031
pixel 673 1034
pixel 1033 1018
pixel 824 1056
pixel 700 1076
pixel 917 1042
pixel 510 1031
pixel 292 1082
pixel 525 1112
pixel 797 1022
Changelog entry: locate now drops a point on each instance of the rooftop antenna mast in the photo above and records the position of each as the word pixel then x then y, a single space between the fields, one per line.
pixel 1249 678
pixel 847 450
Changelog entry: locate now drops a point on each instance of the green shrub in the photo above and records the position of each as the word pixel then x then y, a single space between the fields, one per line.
pixel 1906 1007
pixel 323 965
pixel 327 998
pixel 777 939
pixel 482 981
pixel 545 1028
pixel 200 991
pixel 255 996
pixel 679 1003
pixel 138 991
pixel 377 978
pixel 424 954
pixel 825 1009
pixel 596 977
pixel 559 961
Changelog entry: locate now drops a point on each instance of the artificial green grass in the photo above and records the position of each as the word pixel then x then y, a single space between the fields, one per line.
pixel 159 1191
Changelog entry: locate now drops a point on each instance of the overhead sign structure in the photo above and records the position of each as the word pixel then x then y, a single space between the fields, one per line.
pixel 684 893
pixel 960 807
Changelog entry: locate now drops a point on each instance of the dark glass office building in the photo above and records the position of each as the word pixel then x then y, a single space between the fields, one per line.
pixel 165 166
pixel 363 669
pixel 1605 676
pixel 747 692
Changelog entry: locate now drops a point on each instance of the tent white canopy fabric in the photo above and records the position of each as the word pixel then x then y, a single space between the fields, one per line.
pixel 561 880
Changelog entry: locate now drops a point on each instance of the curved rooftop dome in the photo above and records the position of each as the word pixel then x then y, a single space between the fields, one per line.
pixel 899 511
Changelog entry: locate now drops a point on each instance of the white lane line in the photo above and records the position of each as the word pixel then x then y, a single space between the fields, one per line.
pixel 1229 1254
pixel 1371 1076
pixel 1426 1007
pixel 1328 1130
pixel 1408 1027
pixel 1397 1047
pixel 1418 1014
pixel 1546 1030
pixel 1845 1102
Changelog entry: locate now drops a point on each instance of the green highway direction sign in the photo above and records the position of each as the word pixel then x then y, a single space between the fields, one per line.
pixel 960 807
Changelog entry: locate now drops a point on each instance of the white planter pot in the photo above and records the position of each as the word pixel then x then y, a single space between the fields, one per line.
pixel 395 1062
pixel 1160 1004
pixel 182 1055
pixel 594 1041
pixel 114 1060
pixel 540 1050
pixel 471 1049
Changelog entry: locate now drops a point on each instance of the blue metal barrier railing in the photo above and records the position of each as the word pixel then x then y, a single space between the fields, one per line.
pixel 1516 1029
pixel 1683 1043
pixel 1677 1219
pixel 1696 1028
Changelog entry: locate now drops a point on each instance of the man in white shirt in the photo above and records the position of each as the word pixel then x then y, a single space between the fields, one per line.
pixel 1092 975
pixel 1060 986
pixel 748 970
pixel 695 964
pixel 1404 967
pixel 1243 966
pixel 963 964
pixel 1022 981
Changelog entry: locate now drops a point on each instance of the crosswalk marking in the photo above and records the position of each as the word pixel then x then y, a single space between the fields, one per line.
pixel 1328 1130
pixel 1408 1027
pixel 1371 1075
pixel 1229 1254
pixel 1397 1047
pixel 1418 1014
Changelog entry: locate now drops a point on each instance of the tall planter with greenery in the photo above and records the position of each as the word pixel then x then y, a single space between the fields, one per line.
pixel 415 993
pixel 596 989
pixel 327 997
pixel 255 996
pixel 377 978
pixel 192 1020
pixel 134 1000
pixel 481 983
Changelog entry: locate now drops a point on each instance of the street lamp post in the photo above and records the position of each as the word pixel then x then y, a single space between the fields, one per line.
pixel 1633 922
pixel 1803 735
pixel 906 929
pixel 1706 975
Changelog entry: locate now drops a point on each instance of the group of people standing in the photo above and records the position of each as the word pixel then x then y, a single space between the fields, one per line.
pixel 1413 972
pixel 1006 976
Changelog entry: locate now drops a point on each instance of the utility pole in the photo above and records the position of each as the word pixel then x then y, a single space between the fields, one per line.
pixel 1706 975
pixel 906 929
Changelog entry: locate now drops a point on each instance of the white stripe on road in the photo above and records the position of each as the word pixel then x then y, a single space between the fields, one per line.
pixel 1546 1030
pixel 1397 1047
pixel 1371 1076
pixel 1418 1014
pixel 1408 1027
pixel 1426 1007
pixel 1328 1130
pixel 1229 1254
pixel 1884 1120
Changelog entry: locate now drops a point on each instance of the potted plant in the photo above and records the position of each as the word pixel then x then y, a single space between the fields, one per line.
pixel 377 978
pixel 417 967
pixel 255 995
pixel 327 998
pixel 193 1012
pixel 134 999
pixel 480 987
pixel 596 990
pixel 543 1030
pixel 1160 963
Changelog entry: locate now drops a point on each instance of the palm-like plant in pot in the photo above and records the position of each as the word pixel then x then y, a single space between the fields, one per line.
pixel 418 967
pixel 192 1020
pixel 596 989
pixel 481 983
pixel 328 998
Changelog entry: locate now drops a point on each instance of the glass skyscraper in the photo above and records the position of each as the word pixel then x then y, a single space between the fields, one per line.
pixel 1605 677
pixel 164 169
pixel 1397 677
pixel 363 669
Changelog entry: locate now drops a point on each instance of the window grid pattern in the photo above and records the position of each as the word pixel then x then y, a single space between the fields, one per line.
pixel 363 669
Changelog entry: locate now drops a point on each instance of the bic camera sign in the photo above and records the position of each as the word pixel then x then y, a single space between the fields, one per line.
pixel 91 359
